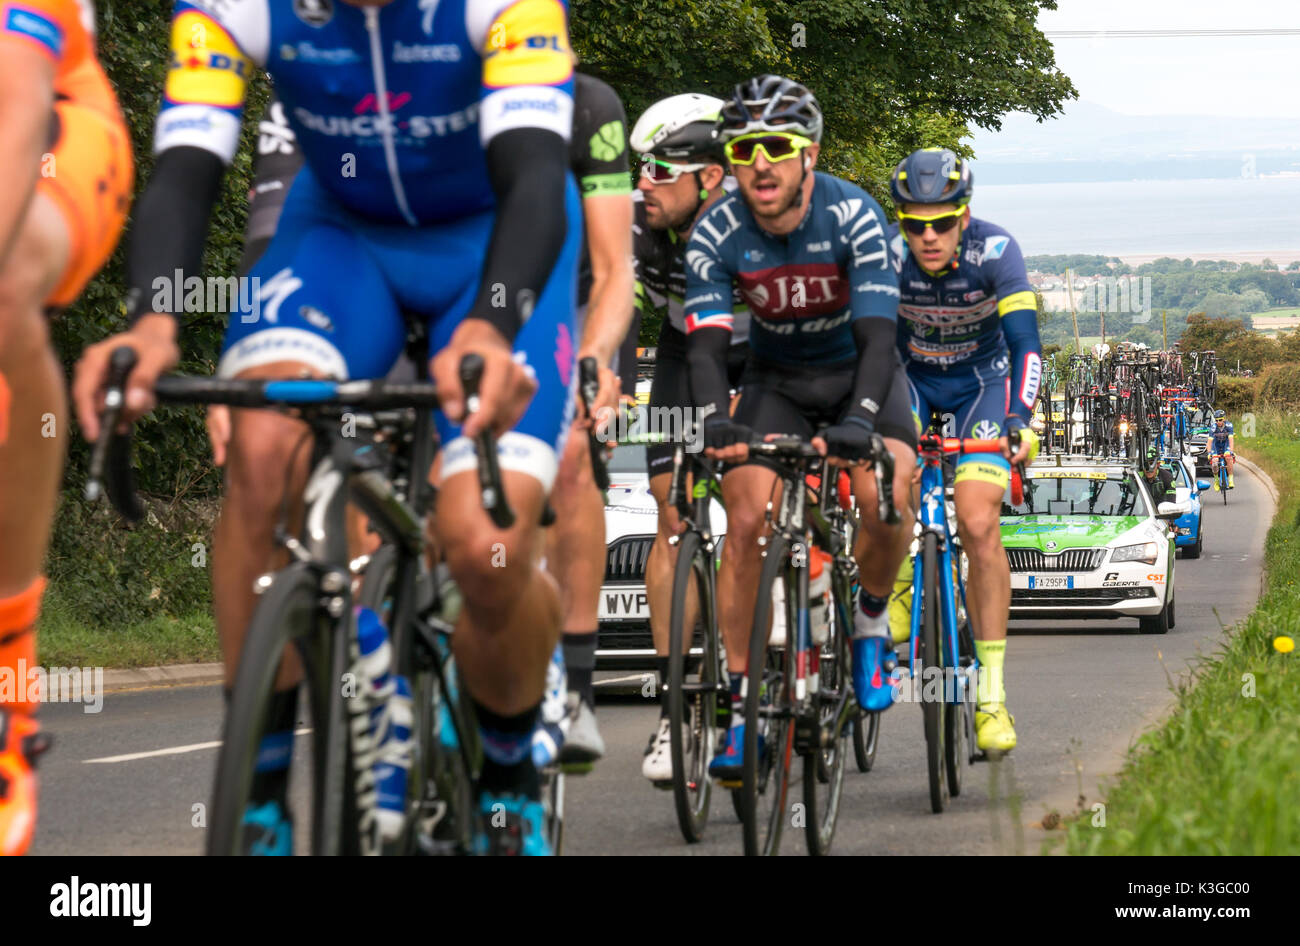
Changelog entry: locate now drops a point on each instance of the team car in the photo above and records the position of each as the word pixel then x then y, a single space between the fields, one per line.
pixel 1189 529
pixel 1087 542
pixel 1198 439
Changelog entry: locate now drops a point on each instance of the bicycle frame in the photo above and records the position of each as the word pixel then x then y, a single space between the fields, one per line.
pixel 933 516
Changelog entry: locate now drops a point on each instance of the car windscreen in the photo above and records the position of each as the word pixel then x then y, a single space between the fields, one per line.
pixel 1180 474
pixel 1078 493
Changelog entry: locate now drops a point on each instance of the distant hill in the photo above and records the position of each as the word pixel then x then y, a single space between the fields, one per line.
pixel 1092 143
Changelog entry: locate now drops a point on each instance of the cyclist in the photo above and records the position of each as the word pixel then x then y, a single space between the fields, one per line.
pixel 681 178
pixel 811 257
pixel 67 159
pixel 968 333
pixel 1159 479
pixel 435 182
pixel 1220 448
pixel 598 159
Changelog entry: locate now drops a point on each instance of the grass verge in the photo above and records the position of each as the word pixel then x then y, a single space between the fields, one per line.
pixel 1221 775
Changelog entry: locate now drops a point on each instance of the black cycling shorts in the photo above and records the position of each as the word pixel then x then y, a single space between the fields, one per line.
pixel 671 387
pixel 801 400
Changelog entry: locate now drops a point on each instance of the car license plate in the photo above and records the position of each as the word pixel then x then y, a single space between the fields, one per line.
pixel 1051 581
pixel 627 603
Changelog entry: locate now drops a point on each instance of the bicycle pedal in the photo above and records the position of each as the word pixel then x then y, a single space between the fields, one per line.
pixel 733 784
pixel 576 768
pixel 664 785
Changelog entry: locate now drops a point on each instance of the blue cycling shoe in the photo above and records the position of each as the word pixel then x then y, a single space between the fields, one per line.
pixel 875 673
pixel 728 764
pixel 511 825
pixel 268 830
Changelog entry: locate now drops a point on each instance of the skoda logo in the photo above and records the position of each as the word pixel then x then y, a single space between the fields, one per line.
pixel 314 12
pixel 1051 545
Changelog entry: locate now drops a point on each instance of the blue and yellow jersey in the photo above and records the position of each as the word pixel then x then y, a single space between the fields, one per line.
pixel 980 311
pixel 393 107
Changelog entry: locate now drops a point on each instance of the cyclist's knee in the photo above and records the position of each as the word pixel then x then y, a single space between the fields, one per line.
pixel 262 447
pixel 34 262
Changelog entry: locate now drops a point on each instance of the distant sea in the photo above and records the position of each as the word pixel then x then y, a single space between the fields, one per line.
pixel 1242 219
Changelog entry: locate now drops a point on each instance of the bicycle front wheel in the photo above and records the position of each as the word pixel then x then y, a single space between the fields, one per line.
pixel 930 659
pixel 289 612
pixel 693 695
pixel 769 735
pixel 836 708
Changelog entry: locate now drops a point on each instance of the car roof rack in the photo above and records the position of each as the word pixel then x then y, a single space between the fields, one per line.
pixel 1080 459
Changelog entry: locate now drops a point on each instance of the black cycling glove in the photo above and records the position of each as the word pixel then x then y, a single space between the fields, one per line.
pixel 854 439
pixel 721 431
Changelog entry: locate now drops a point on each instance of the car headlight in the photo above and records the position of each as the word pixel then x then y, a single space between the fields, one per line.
pixel 1123 427
pixel 1145 552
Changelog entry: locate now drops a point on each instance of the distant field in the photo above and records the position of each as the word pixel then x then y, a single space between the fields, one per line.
pixel 1276 320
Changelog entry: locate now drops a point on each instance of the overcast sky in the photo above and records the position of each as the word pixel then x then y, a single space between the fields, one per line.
pixel 1222 75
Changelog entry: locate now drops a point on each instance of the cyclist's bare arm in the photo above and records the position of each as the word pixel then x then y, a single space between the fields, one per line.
pixel 608 220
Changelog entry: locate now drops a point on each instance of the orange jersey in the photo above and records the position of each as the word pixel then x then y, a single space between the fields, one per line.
pixel 65 31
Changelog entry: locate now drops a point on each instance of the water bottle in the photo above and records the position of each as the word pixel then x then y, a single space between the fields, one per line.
pixel 389 697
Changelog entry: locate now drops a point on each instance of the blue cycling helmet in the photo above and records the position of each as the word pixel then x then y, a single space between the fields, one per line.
pixel 932 176
pixel 1218 414
pixel 770 103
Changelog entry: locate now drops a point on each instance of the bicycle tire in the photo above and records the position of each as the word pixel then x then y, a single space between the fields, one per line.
pixel 288 612
pixel 768 674
pixel 823 768
pixel 866 736
pixel 932 655
pixel 692 787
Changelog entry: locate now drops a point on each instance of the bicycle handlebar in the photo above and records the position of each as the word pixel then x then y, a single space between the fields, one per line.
pixel 790 447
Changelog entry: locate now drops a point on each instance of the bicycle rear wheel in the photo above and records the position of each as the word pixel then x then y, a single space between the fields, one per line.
pixel 836 707
pixel 289 612
pixel 693 697
pixel 930 654
pixel 866 735
pixel 765 779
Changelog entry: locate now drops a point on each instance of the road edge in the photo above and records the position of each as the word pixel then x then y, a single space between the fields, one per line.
pixel 167 675
pixel 1062 801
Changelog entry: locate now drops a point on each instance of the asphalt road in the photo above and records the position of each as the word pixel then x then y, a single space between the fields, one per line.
pixel 132 778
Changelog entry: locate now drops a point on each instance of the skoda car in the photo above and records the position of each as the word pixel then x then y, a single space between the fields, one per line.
pixel 1087 542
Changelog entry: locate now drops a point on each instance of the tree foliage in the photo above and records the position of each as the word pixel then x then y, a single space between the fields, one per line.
pixel 891 77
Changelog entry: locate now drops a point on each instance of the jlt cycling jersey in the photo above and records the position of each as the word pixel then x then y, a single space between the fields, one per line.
pixel 976 319
pixel 392 111
pixel 804 288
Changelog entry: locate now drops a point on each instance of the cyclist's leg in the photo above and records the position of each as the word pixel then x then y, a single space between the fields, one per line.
pixel 69 227
pixel 980 484
pixel 881 548
pixel 511 618
pixel 575 555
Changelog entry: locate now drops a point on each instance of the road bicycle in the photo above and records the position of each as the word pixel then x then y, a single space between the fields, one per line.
pixel 307 608
pixel 798 696
pixel 941 654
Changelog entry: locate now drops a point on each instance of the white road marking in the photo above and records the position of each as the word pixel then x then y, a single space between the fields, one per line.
pixel 173 750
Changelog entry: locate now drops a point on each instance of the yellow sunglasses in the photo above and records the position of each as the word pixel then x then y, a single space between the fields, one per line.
pixel 942 223
pixel 776 146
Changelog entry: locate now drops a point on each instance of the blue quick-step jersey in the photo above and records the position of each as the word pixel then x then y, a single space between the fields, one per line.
pixel 803 289
pixel 392 106
pixel 979 312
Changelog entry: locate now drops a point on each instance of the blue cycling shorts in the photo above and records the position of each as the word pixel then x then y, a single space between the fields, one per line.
pixel 332 288
pixel 974 403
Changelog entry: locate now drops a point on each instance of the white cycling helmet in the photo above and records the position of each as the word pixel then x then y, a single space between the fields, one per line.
pixel 680 126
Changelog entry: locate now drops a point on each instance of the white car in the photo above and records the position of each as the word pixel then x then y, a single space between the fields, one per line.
pixel 1088 542
pixel 624 639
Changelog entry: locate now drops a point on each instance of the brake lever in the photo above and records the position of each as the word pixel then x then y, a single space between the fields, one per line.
pixel 110 459
pixel 489 467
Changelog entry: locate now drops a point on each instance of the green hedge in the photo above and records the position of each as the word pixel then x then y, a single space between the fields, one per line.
pixel 1236 394
pixel 1280 386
